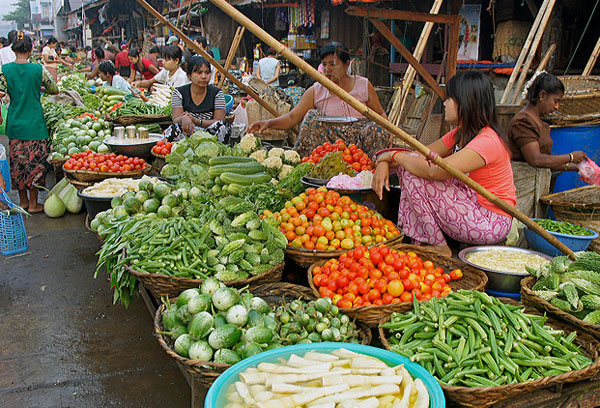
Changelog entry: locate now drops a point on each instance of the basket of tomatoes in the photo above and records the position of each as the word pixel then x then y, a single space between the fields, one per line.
pixel 369 284
pixel 89 166
pixel 322 224
pixel 352 155
pixel 161 149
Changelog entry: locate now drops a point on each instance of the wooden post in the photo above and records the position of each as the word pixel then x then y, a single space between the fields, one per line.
pixel 374 116
pixel 232 51
pixel 592 61
pixel 534 47
pixel 540 67
pixel 179 13
pixel 452 48
pixel 524 51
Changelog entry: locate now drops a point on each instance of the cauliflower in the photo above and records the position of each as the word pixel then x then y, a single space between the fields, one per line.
pixel 291 157
pixel 273 165
pixel 276 152
pixel 285 170
pixel 259 156
pixel 249 143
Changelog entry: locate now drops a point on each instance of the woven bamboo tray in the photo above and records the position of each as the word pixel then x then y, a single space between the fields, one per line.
pixel 579 206
pixel 133 119
pixel 473 279
pixel 160 156
pixel 274 293
pixel 307 257
pixel 163 285
pixel 582 95
pixel 529 298
pixel 487 396
pixel 86 175
pixel 57 163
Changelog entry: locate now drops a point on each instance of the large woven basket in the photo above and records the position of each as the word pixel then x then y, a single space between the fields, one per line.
pixel 582 95
pixel 487 396
pixel 133 119
pixel 529 298
pixel 57 163
pixel 307 257
pixel 86 175
pixel 473 279
pixel 579 206
pixel 274 294
pixel 163 285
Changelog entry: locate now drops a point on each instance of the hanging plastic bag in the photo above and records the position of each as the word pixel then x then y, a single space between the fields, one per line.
pixel 589 172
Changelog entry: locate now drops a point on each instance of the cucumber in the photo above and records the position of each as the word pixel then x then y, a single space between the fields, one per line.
pixel 226 356
pixel 230 160
pixel 200 350
pixel 220 321
pixel 200 325
pixel 226 336
pixel 244 179
pixel 234 189
pixel 255 319
pixel 251 350
pixel 200 303
pixel 237 168
pixel 258 335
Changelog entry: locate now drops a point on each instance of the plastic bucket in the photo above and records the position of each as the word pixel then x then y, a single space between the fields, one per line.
pixel 574 242
pixel 228 103
pixel 568 139
pixel 216 397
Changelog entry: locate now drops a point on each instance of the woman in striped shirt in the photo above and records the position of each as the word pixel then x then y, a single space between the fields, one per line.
pixel 198 105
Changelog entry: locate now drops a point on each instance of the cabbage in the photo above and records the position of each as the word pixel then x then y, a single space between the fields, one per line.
pixel 169 170
pixel 208 150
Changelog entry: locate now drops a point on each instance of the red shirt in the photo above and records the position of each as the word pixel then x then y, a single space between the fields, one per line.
pixel 122 59
pixel 146 73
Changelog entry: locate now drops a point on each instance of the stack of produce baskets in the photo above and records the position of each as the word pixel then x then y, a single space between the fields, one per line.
pixel 578 206
pixel 581 102
pixel 86 176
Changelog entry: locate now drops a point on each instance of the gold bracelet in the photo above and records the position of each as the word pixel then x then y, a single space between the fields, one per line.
pixel 570 157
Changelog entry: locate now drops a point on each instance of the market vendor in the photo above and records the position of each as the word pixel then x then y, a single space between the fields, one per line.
pixel 198 105
pixel 51 59
pixel 171 74
pixel 108 73
pixel 434 203
pixel 93 69
pixel 141 65
pixel 25 124
pixel 317 102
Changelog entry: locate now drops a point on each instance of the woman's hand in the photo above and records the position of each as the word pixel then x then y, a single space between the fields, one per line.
pixel 578 156
pixel 187 125
pixel 381 178
pixel 259 126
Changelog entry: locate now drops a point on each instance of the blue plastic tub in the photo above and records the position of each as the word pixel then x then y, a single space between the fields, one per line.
pixel 5 170
pixel 216 394
pixel 228 103
pixel 13 238
pixel 574 242
pixel 510 295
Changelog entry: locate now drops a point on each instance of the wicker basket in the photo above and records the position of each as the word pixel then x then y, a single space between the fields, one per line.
pixel 163 285
pixel 529 298
pixel 133 119
pixel 487 396
pixel 159 156
pixel 473 279
pixel 57 163
pixel 86 175
pixel 205 372
pixel 579 206
pixel 306 257
pixel 582 95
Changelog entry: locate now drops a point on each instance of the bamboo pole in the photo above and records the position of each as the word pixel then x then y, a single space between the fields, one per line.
pixel 366 111
pixel 592 61
pixel 232 51
pixel 210 59
pixel 540 66
pixel 410 73
pixel 179 13
pixel 534 47
pixel 524 51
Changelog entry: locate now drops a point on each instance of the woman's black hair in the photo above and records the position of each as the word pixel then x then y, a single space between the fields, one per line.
pixel 107 67
pixel 22 45
pixel 202 40
pixel 172 52
pixel 3 41
pixel 88 48
pixel 473 92
pixel 337 49
pixel 99 53
pixel 270 51
pixel 12 36
pixel 72 48
pixel 544 82
pixel 51 40
pixel 195 64
pixel 154 50
pixel 133 53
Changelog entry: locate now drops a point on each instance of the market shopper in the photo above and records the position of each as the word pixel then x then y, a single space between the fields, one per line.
pixel 122 62
pixel 108 73
pixel 171 74
pixel 432 202
pixel 25 124
pixel 318 102
pixel 141 65
pixel 6 53
pixel 51 59
pixel 198 105
pixel 100 57
pixel 154 57
pixel 268 68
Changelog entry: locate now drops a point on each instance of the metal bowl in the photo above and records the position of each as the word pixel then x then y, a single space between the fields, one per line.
pixel 498 280
pixel 142 149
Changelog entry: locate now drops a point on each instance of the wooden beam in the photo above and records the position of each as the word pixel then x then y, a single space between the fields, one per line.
pixel 232 51
pixel 400 15
pixel 452 48
pixel 540 67
pixel 592 61
pixel 387 33
pixel 532 7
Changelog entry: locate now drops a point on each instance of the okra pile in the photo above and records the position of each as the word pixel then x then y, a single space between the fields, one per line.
pixel 563 227
pixel 474 340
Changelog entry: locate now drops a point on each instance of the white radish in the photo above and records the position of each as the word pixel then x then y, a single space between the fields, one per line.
pixel 296 378
pixel 378 390
pixel 361 380
pixel 422 400
pixel 311 355
pixel 306 397
pixel 244 392
pixel 367 362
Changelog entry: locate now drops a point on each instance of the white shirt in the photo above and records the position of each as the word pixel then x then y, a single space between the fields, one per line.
pixel 7 55
pixel 179 78
pixel 268 67
pixel 51 53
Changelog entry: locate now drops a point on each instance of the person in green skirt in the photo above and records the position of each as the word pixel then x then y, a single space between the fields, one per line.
pixel 25 124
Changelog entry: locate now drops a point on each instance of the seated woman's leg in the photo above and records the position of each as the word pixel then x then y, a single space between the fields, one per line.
pixel 372 137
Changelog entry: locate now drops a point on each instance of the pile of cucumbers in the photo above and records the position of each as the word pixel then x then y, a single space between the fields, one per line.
pixel 229 174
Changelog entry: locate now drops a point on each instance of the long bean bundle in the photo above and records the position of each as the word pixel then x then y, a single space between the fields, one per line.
pixel 564 227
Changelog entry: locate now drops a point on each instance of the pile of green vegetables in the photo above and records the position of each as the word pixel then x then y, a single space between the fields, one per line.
pixel 564 227
pixel 76 82
pixel 135 107
pixel 331 165
pixel 474 340
pixel 56 113
pixel 78 135
pixel 62 198
pixel 572 286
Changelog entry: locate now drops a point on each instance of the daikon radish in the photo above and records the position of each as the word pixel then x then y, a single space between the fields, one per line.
pixel 383 389
pixel 366 371
pixel 287 388
pixel 296 361
pixel 253 378
pixel 367 362
pixel 422 400
pixel 283 369
pixel 404 402
pixel 306 397
pixel 388 371
pixel 311 355
pixel 296 378
pixel 361 380
pixel 244 392
pixel 264 396
pixel 368 403
pixel 343 353
pixel 255 389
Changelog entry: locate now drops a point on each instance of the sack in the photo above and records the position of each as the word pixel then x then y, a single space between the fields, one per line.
pixel 589 172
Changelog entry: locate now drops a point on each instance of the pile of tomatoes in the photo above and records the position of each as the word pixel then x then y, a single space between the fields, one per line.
pixel 163 148
pixel 380 276
pixel 323 220
pixel 354 156
pixel 87 115
pixel 104 162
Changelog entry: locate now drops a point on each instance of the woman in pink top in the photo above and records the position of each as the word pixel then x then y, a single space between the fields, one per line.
pixel 317 102
pixel 432 202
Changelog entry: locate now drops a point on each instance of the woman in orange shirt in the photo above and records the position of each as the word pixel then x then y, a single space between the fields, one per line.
pixel 432 202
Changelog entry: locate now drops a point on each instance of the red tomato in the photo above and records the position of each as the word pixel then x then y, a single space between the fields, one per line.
pixel 456 274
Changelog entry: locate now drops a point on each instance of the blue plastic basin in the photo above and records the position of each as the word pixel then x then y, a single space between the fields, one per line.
pixel 228 103
pixel 574 242
pixel 216 397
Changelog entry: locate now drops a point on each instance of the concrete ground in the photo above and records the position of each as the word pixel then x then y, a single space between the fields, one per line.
pixel 63 343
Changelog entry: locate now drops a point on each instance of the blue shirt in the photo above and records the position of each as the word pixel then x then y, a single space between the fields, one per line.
pixel 119 82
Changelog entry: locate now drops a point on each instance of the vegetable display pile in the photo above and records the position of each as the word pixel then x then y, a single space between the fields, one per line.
pixel 163 148
pixel 572 286
pixel 76 82
pixel 135 106
pixel 564 227
pixel 339 379
pixel 474 340
pixel 380 276
pixel 62 198
pixel 355 157
pixel 324 220
pixel 57 113
pixel 161 95
pixel 229 174
pixel 116 187
pixel 277 161
pixel 104 162
pixel 110 99
pixel 78 135
pixel 331 165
